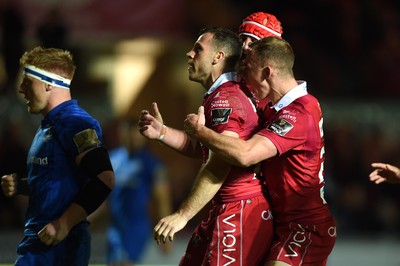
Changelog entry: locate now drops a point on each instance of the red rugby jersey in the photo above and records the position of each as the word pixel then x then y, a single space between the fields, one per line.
pixel 228 106
pixel 295 178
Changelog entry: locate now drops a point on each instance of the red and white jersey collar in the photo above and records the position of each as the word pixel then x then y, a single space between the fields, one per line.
pixel 225 77
pixel 295 93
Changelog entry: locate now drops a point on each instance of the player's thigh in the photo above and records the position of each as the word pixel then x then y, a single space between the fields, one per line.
pixel 54 255
pixel 242 233
pixel 303 244
pixel 78 247
pixel 257 222
pixel 197 246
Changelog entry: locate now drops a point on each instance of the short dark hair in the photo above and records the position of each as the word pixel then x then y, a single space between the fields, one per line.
pixel 226 40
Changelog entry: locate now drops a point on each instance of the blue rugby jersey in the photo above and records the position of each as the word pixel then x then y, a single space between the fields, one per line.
pixel 53 176
pixel 134 180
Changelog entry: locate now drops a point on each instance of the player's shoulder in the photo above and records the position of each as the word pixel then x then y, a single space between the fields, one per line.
pixel 231 85
pixel 307 99
pixel 306 103
pixel 231 90
pixel 74 116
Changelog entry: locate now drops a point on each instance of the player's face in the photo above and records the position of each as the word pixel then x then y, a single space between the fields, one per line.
pixel 200 59
pixel 252 74
pixel 35 94
pixel 246 40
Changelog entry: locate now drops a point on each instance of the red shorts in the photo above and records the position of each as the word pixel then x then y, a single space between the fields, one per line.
pixel 303 244
pixel 235 233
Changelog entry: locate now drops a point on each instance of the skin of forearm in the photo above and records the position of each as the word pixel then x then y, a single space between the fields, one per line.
pixel 205 188
pixel 182 143
pixel 72 216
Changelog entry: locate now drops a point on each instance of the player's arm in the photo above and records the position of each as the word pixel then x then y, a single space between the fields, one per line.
pixel 384 172
pixel 152 127
pixel 236 151
pixel 161 200
pixel 96 164
pixel 208 182
pixel 181 142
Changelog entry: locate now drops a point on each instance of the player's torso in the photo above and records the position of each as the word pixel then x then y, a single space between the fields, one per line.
pixel 134 179
pixel 54 178
pixel 229 109
pixel 294 178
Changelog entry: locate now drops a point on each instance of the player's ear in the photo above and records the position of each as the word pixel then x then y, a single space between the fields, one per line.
pixel 218 56
pixel 267 72
pixel 48 87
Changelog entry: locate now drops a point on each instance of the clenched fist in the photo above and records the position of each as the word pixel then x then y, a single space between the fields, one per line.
pixel 9 184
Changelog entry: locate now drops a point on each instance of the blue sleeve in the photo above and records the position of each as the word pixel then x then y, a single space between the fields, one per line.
pixel 78 134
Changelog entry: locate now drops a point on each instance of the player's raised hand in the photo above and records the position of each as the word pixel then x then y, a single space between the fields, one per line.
pixel 385 173
pixel 9 184
pixel 194 122
pixel 156 113
pixel 151 123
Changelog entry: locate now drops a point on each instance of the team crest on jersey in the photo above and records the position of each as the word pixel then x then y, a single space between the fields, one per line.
pixel 280 126
pixel 220 115
pixel 86 139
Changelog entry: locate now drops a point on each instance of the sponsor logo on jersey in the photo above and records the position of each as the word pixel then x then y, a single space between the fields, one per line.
pixel 332 231
pixel 297 242
pixel 40 161
pixel 266 215
pixel 48 135
pixel 280 126
pixel 220 115
pixel 288 117
pixel 229 240
pixel 219 103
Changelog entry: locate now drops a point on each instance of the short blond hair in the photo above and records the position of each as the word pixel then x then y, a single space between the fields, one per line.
pixel 275 51
pixel 54 60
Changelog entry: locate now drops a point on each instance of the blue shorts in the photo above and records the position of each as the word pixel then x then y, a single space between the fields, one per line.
pixel 73 250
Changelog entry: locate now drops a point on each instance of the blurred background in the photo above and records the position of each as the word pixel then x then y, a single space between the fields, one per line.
pixel 130 53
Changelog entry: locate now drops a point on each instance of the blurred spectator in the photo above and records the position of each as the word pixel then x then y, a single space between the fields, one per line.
pixel 12 46
pixel 380 62
pixel 140 197
pixel 12 156
pixel 52 32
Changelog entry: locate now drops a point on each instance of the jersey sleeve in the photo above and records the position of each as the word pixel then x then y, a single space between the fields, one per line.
pixel 288 130
pixel 79 134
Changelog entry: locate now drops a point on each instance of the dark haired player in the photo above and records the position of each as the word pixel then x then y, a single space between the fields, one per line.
pixel 238 230
pixel 291 148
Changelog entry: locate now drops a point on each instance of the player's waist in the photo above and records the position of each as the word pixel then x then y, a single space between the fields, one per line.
pixel 225 195
pixel 301 215
pixel 33 227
